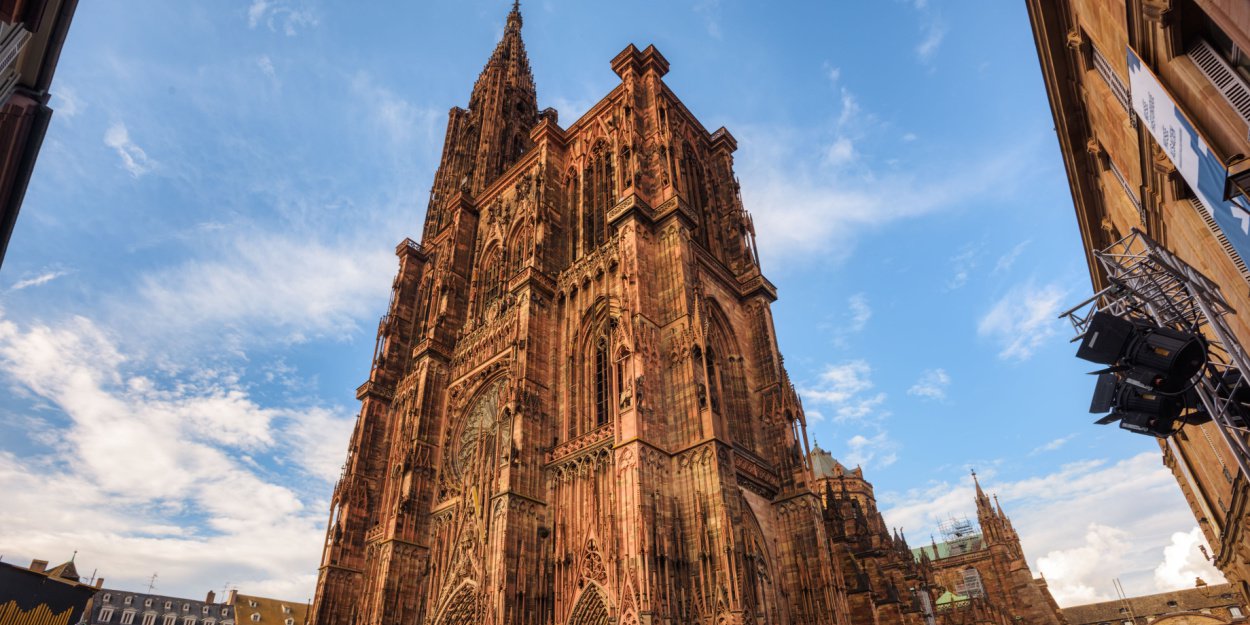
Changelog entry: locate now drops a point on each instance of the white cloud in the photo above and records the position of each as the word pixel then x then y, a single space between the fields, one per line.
pixel 878 450
pixel 1183 561
pixel 134 159
pixel 281 16
pixel 152 475
pixel 803 212
pixel 909 137
pixel 840 152
pixel 931 385
pixel 838 384
pixel 834 73
pixel 38 280
pixel 272 284
pixel 1023 319
pixel 265 64
pixel 1080 526
pixel 67 104
pixel 1052 445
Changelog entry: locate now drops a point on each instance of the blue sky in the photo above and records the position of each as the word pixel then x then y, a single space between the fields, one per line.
pixel 190 295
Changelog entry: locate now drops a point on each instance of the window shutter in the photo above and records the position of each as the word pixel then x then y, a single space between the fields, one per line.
pixel 1217 70
pixel 1219 236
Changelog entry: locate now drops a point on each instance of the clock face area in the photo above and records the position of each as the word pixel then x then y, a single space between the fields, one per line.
pixel 477 435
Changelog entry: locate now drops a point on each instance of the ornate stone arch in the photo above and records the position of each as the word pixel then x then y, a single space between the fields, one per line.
pixel 761 577
pixel 462 606
pixel 591 607
pixel 519 245
pixel 489 279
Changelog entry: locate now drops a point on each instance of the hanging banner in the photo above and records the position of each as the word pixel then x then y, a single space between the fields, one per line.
pixel 1189 153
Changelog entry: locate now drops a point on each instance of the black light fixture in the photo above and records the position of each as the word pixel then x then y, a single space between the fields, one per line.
pixel 1149 381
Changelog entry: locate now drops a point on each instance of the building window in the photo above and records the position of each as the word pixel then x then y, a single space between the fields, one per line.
pixel 128 616
pixel 601 382
pixel 169 619
pixel 286 609
pixel 204 610
pixel 129 600
pixel 106 615
pixel 210 621
pixel 290 621
pixel 190 620
pixel 186 607
pixel 106 597
pixel 147 603
pixel 256 617
pixel 225 612
pixel 149 618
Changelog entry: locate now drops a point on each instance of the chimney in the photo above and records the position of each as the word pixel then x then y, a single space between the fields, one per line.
pixel 211 595
pixel 38 566
pixel 99 582
pixel 234 594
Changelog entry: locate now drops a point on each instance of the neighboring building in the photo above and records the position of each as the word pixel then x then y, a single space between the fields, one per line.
pixel 972 577
pixel 1219 604
pixel 122 607
pixel 1191 57
pixel 38 595
pixel 31 35
pixel 266 611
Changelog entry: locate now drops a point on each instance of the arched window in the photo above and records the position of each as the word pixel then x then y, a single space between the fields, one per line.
pixel 694 188
pixel 598 195
pixel 574 195
pixel 713 379
pixel 601 390
pixel 490 281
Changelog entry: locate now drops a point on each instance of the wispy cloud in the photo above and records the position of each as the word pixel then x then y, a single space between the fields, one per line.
pixel 710 11
pixel 38 280
pixel 1023 319
pixel 846 390
pixel 1006 261
pixel 962 265
pixel 934 33
pixel 1053 445
pixel 281 16
pixel 931 385
pixel 134 159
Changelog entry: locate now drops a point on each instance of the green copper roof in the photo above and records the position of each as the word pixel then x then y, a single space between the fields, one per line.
pixel 949 597
pixel 950 548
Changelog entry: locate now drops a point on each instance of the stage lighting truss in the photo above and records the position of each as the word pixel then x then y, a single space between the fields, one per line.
pixel 1149 283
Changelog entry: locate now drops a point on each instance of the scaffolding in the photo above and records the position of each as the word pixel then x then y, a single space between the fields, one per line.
pixel 1149 283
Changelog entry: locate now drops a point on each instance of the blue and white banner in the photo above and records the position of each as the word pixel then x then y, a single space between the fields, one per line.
pixel 1191 155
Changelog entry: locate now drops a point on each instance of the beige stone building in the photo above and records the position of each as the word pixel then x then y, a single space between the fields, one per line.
pixel 1218 604
pixel 1121 75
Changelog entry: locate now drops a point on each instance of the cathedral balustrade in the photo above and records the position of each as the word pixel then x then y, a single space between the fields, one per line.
pixel 600 260
pixel 590 440
pixel 487 339
pixel 375 533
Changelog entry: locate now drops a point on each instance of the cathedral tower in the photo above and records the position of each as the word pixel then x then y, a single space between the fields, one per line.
pixel 577 412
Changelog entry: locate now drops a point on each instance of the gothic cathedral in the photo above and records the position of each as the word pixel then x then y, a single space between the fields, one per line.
pixel 577 412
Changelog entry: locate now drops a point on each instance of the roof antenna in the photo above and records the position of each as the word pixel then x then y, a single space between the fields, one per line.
pixel 151 583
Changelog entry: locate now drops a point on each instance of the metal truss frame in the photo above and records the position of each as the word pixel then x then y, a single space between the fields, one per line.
pixel 1149 283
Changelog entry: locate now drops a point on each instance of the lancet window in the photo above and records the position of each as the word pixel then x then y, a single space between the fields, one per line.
pixel 489 282
pixel 598 195
pixel 692 184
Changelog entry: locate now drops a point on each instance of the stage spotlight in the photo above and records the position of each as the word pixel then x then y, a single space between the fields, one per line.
pixel 1105 338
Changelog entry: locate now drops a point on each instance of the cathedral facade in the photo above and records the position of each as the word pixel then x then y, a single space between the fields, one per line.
pixel 577 411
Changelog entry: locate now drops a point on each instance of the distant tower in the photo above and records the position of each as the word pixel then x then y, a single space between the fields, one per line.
pixel 577 412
